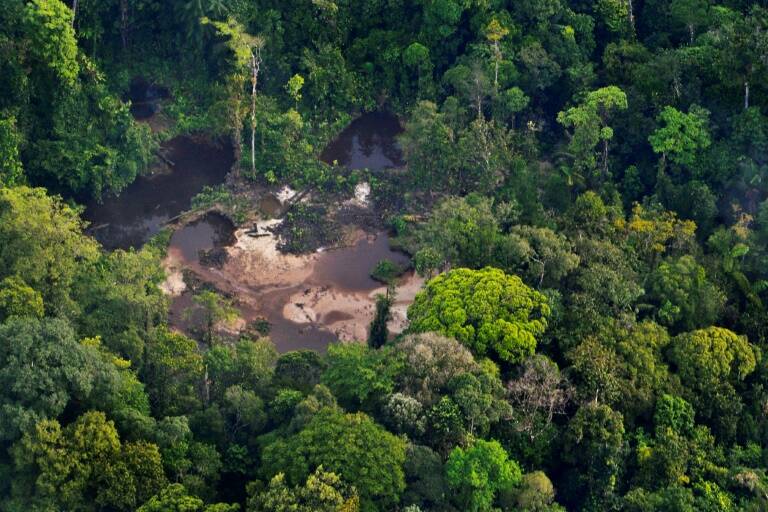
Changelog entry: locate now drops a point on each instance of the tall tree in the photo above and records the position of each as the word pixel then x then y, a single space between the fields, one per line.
pixel 48 24
pixel 489 311
pixel 494 33
pixel 246 54
pixel 323 492
pixel 479 472
pixel 11 171
pixel 428 145
pixel 84 466
pixel 353 445
pixel 682 136
pixel 378 332
pixel 594 446
pixel 589 122
pixel 43 370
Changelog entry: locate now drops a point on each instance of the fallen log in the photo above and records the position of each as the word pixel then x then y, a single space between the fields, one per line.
pixel 165 159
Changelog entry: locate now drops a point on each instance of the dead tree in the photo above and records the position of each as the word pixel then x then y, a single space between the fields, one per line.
pixel 124 23
pixel 255 68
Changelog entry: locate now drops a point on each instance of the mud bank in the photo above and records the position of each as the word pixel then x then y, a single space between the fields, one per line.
pixel 310 300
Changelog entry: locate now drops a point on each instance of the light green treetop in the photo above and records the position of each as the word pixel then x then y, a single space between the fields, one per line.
pixel 487 310
pixel 681 135
pixel 479 472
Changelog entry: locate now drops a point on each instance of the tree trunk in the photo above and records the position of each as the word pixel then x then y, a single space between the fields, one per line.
pixel 631 16
pixel 746 95
pixel 124 23
pixel 496 72
pixel 206 387
pixel 255 67
pixel 74 11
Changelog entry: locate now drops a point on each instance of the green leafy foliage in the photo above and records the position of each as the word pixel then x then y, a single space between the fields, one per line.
pixel 364 454
pixel 42 244
pixel 43 370
pixel 358 375
pixel 479 473
pixel 682 135
pixel 386 271
pixel 489 311
pixel 587 176
pixel 85 466
pixel 322 492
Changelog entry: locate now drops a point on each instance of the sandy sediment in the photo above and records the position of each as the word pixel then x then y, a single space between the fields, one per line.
pixel 348 314
pixel 284 288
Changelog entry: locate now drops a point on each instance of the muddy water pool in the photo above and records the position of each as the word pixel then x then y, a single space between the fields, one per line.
pixel 369 142
pixel 211 231
pixel 145 206
pixel 308 301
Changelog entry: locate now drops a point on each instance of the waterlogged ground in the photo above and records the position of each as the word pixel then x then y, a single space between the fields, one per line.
pixel 145 206
pixel 309 300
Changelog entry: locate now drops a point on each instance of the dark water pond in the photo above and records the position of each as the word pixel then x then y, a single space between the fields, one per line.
pixel 369 142
pixel 145 98
pixel 143 208
pixel 211 231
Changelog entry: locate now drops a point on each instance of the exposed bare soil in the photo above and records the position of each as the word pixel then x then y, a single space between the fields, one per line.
pixel 309 300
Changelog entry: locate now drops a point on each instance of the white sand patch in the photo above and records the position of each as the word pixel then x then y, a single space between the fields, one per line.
pixel 174 284
pixel 173 265
pixel 286 194
pixel 263 241
pixel 363 194
pixel 299 312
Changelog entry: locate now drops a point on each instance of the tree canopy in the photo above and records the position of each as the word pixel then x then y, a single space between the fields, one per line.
pixel 492 313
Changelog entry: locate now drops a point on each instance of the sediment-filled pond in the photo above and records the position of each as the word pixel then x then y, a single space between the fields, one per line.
pixel 212 231
pixel 308 301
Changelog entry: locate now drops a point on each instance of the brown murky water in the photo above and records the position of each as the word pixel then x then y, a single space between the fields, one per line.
pixel 270 205
pixel 349 268
pixel 143 208
pixel 337 273
pixel 369 142
pixel 208 232
pixel 286 334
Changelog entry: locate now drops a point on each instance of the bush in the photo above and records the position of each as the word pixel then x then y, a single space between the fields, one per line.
pixel 386 271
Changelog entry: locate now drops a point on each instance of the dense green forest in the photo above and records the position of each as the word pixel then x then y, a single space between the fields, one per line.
pixel 582 191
